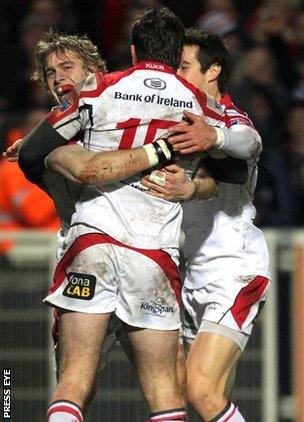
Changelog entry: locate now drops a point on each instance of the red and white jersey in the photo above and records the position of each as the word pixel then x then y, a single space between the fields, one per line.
pixel 235 115
pixel 220 238
pixel 125 110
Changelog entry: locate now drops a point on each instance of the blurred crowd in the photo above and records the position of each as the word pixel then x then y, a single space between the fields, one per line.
pixel 266 42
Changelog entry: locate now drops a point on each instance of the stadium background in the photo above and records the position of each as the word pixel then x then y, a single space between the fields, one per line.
pixel 266 42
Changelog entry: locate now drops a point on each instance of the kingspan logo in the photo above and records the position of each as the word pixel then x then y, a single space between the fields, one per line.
pixel 158 306
pixel 155 83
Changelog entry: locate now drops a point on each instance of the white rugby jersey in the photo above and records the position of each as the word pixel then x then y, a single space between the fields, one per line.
pixel 125 110
pixel 220 237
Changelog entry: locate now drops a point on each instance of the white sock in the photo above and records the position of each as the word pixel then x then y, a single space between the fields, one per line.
pixel 230 413
pixel 172 415
pixel 64 411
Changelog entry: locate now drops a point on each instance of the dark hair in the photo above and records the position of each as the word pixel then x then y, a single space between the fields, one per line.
pixel 212 50
pixel 53 42
pixel 159 36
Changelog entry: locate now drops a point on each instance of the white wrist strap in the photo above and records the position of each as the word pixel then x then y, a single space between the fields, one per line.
pixel 158 152
pixel 152 155
pixel 220 138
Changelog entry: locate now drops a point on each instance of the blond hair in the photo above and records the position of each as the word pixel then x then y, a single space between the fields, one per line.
pixel 53 42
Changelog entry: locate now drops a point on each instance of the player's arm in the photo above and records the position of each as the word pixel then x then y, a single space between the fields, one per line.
pixel 239 141
pixel 58 127
pixel 93 168
pixel 173 184
pixel 35 147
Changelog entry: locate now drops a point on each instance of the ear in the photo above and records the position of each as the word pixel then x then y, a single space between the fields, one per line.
pixel 214 72
pixel 133 55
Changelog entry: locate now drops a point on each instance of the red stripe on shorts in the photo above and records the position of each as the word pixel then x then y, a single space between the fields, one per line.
pixel 247 297
pixel 161 258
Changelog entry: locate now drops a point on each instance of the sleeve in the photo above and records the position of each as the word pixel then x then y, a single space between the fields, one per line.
pixel 240 138
pixel 35 147
pixel 239 141
pixel 61 125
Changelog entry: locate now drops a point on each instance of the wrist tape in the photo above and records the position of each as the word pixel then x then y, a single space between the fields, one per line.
pixel 220 138
pixel 159 152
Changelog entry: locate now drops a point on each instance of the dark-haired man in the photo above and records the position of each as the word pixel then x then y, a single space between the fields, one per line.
pixel 227 274
pixel 62 62
pixel 136 236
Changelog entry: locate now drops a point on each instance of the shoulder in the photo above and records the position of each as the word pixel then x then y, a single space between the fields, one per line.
pixel 231 107
pixel 96 83
pixel 234 114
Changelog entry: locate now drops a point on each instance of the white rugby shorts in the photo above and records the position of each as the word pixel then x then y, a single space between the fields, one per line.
pixel 231 304
pixel 98 274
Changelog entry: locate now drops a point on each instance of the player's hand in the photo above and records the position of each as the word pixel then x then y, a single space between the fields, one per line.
pixel 171 184
pixel 12 151
pixel 197 136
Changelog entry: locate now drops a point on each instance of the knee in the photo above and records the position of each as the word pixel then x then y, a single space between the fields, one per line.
pixel 198 391
pixel 203 392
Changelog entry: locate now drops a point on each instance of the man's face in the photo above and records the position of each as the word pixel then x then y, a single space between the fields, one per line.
pixel 190 68
pixel 64 69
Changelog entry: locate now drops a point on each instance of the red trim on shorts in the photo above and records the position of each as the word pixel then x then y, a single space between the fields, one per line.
pixel 159 256
pixel 65 409
pixel 247 297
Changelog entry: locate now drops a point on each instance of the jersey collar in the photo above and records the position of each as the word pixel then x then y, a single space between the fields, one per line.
pixel 151 65
pixel 225 100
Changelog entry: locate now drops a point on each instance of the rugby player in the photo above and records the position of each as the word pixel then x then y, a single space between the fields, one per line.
pixel 227 263
pixel 136 236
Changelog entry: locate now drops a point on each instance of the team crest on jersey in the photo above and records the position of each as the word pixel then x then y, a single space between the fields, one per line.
pixel 64 104
pixel 214 105
pixel 239 121
pixel 158 307
pixel 155 83
pixel 80 286
pixel 217 106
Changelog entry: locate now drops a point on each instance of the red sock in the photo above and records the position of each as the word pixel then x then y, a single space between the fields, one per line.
pixel 64 411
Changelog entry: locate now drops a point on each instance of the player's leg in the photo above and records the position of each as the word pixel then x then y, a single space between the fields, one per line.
pixel 155 354
pixel 181 370
pixel 149 304
pixel 81 339
pixel 183 352
pixel 210 360
pixel 224 311
pixel 85 285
